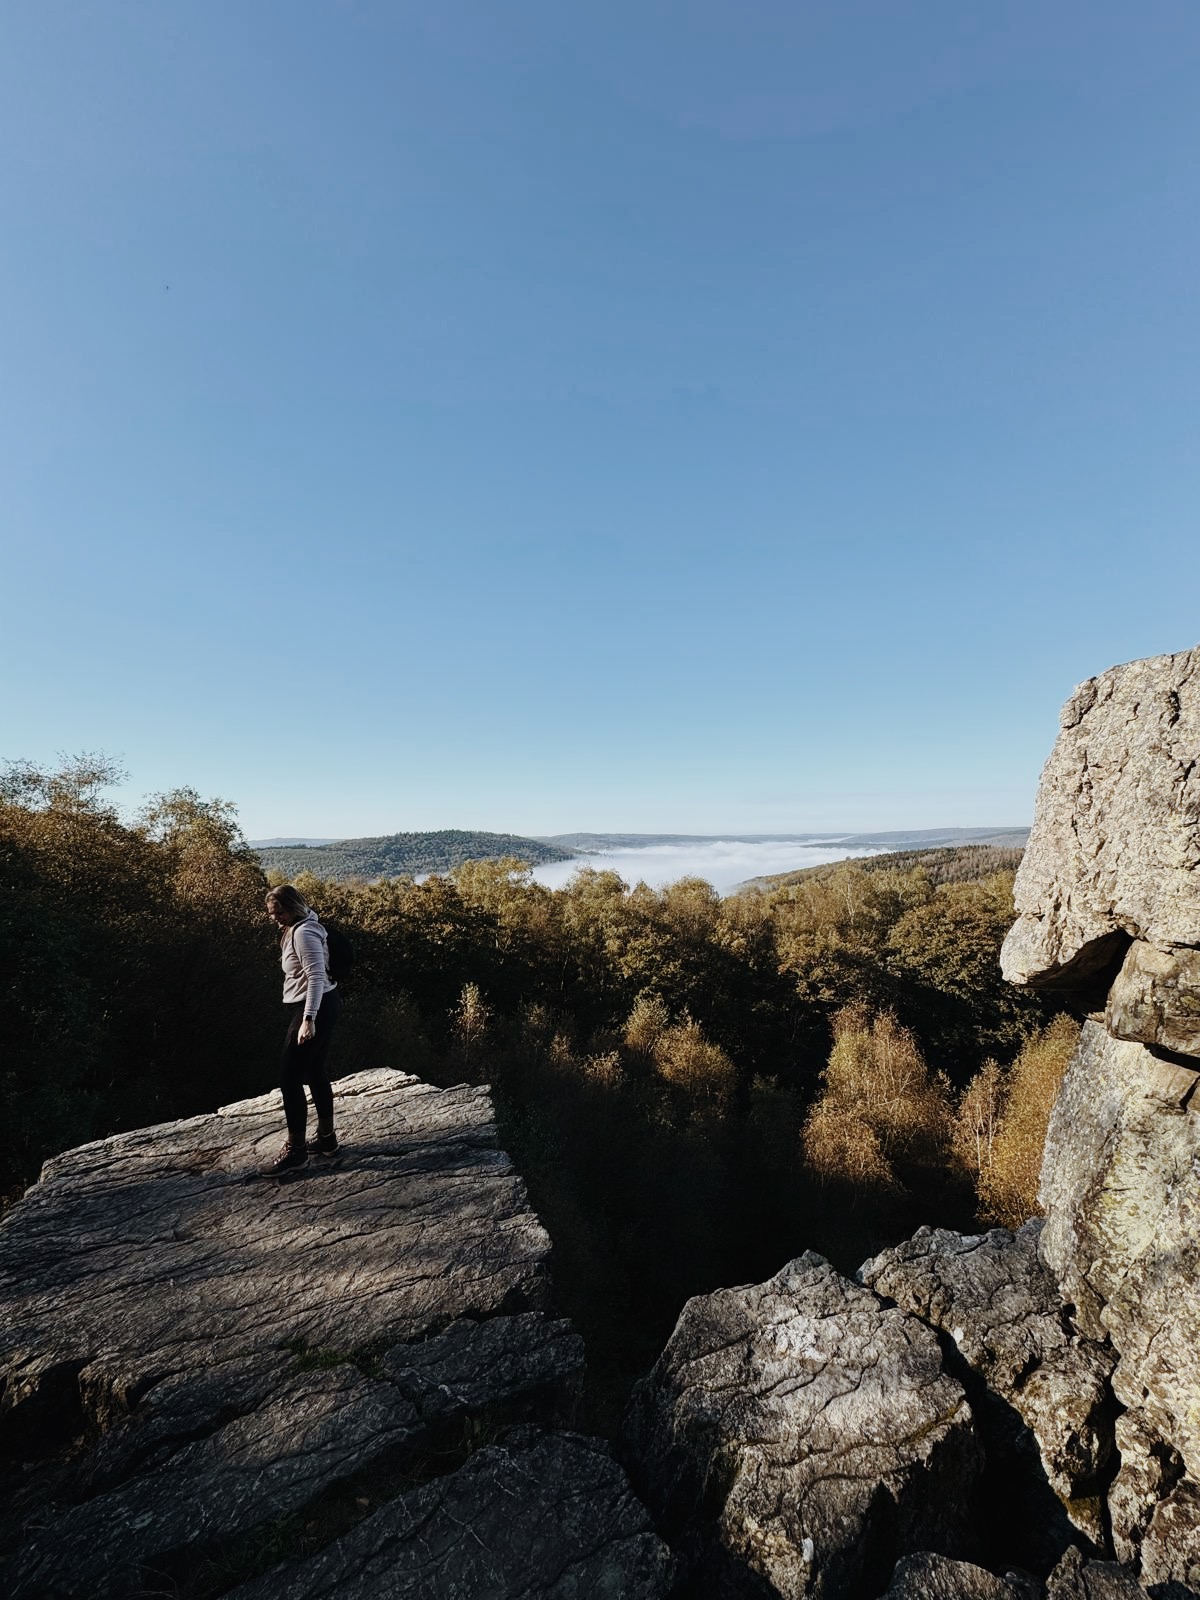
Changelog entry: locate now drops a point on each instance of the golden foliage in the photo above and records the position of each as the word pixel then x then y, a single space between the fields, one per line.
pixel 879 1105
pixel 678 1052
pixel 840 1146
pixel 646 1024
pixel 977 1120
pixel 684 1057
pixel 470 1020
pixel 1008 1182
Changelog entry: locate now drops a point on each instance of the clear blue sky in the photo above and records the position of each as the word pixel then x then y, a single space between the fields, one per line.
pixel 699 416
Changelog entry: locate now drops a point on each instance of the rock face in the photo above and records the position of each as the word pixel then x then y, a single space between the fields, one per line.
pixel 1109 895
pixel 1155 998
pixel 1042 1398
pixel 202 1375
pixel 800 1433
pixel 1115 846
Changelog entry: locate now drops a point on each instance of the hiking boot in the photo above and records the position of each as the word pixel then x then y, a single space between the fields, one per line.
pixel 288 1160
pixel 325 1144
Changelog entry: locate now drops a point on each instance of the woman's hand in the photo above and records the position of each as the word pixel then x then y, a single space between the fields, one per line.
pixel 308 1030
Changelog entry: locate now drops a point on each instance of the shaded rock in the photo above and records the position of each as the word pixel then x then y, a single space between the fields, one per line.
pixel 1115 843
pixel 318 1430
pixel 538 1515
pixel 511 1369
pixel 799 1433
pixel 189 1359
pixel 1171 1548
pixel 930 1577
pixel 1077 1578
pixel 1121 1192
pixel 1155 999
pixel 1046 1414
pixel 1148 1472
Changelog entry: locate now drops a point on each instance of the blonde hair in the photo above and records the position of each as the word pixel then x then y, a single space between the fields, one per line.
pixel 290 901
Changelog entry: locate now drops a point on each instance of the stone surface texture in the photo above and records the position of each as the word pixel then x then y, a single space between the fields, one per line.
pixel 1108 896
pixel 800 1432
pixel 1149 1470
pixel 1121 1192
pixel 931 1577
pixel 1115 845
pixel 993 1296
pixel 1076 1578
pixel 202 1369
pixel 547 1514
pixel 1170 1551
pixel 1155 998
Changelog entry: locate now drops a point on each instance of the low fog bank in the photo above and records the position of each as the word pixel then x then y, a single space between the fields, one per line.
pixel 725 863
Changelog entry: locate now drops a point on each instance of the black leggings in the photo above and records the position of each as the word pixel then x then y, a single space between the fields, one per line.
pixel 305 1063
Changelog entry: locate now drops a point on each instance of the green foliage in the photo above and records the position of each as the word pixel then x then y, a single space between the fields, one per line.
pixel 961 863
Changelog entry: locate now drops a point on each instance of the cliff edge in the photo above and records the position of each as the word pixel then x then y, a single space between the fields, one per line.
pixel 214 1384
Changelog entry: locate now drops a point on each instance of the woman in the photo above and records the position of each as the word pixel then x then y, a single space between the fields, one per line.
pixel 313 1003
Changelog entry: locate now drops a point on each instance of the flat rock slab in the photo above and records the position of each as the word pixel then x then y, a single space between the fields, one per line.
pixel 149 1254
pixel 188 1357
pixel 538 1516
pixel 800 1433
pixel 1115 845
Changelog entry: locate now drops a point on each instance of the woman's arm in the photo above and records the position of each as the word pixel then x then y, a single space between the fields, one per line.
pixel 310 952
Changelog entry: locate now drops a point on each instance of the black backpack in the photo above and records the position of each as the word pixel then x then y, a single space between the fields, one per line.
pixel 340 959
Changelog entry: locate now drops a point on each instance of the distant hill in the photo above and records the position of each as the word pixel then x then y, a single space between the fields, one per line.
pixel 403 855
pixel 937 838
pixel 964 863
pixel 271 844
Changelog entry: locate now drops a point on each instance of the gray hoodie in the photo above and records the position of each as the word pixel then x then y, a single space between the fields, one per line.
pixel 306 964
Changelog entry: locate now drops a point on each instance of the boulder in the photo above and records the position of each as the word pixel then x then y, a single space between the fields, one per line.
pixel 1042 1402
pixel 1115 845
pixel 198 1364
pixel 925 1576
pixel 1155 999
pixel 1077 1578
pixel 800 1436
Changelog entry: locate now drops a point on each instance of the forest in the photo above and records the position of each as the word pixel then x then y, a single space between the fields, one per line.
pixel 396 855
pixel 694 1088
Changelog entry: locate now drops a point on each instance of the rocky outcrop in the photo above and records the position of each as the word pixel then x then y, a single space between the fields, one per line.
pixel 205 1372
pixel 1041 1394
pixel 776 1439
pixel 801 1434
pixel 1108 898
pixel 1115 846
